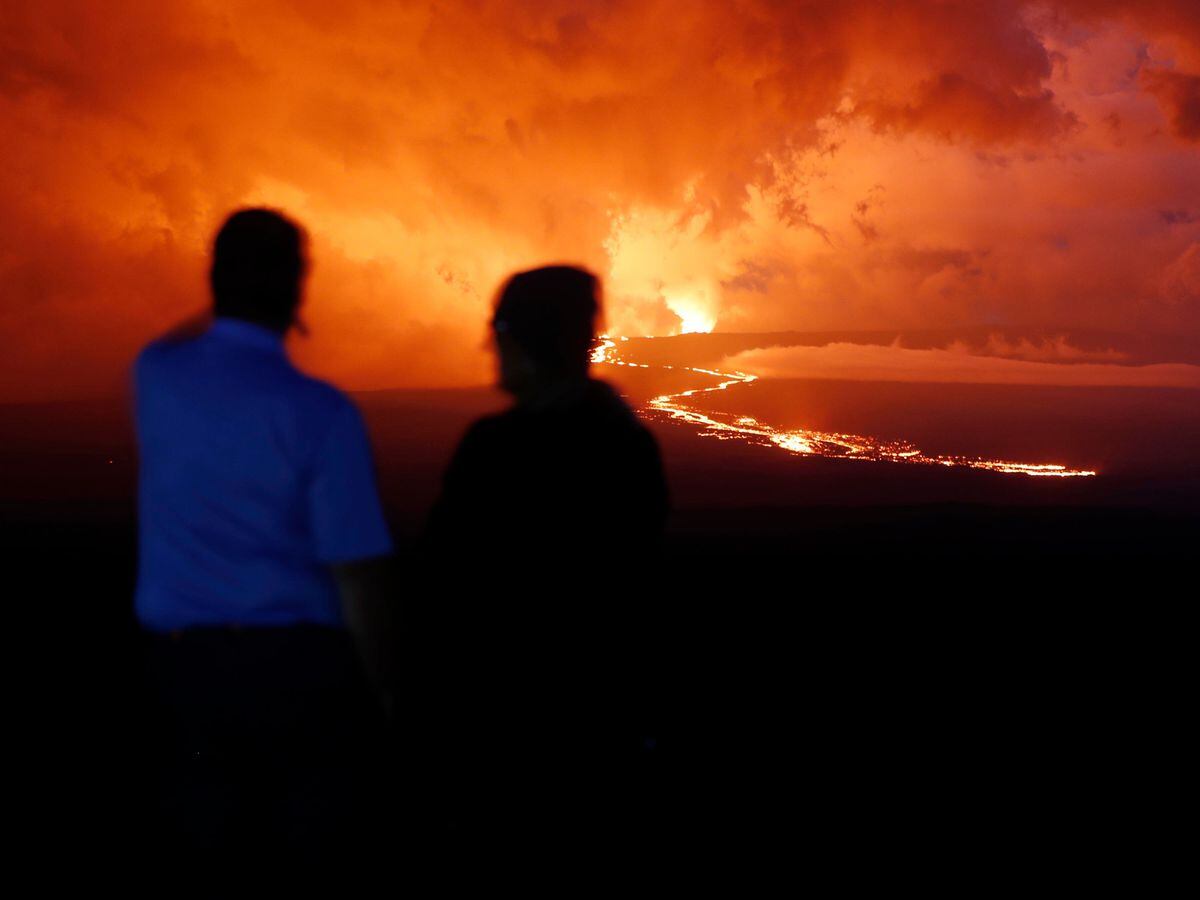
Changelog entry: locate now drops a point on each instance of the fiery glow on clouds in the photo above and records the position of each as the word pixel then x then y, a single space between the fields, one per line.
pixel 731 166
pixel 856 362
pixel 660 276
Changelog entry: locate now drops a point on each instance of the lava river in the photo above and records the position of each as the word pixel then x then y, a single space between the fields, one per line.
pixel 725 426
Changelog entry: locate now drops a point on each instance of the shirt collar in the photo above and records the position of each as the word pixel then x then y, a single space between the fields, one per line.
pixel 246 333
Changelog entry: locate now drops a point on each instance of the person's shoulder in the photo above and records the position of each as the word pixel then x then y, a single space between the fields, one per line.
pixel 181 335
pixel 165 348
pixel 620 421
pixel 328 415
pixel 604 401
pixel 324 400
pixel 149 356
pixel 493 436
pixel 491 427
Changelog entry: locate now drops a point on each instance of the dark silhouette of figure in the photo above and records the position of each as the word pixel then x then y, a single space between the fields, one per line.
pixel 260 532
pixel 541 621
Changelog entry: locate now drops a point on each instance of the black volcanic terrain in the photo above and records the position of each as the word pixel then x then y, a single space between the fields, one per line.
pixel 884 633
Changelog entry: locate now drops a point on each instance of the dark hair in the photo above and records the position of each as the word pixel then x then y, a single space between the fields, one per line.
pixel 551 313
pixel 258 261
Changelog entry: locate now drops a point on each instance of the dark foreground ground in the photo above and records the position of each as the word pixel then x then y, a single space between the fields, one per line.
pixel 874 671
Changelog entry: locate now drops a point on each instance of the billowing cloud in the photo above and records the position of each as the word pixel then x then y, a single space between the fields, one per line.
pixel 1180 94
pixel 739 166
pixel 1055 349
pixel 1181 279
pixel 858 362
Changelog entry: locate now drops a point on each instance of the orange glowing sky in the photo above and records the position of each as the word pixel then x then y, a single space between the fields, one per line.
pixel 743 166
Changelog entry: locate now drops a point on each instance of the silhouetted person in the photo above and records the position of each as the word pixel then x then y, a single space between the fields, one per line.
pixel 258 519
pixel 550 515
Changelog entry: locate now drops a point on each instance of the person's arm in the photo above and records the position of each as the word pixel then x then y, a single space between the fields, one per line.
pixel 352 538
pixel 188 329
pixel 649 493
pixel 366 592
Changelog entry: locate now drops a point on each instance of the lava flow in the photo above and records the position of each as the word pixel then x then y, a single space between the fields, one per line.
pixel 724 426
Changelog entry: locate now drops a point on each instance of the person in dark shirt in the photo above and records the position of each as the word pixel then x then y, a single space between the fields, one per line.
pixel 548 526
pixel 568 470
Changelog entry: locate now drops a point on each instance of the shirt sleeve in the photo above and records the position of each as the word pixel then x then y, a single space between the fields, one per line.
pixel 347 518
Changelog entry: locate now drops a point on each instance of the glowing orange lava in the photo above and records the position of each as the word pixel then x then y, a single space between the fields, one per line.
pixel 724 426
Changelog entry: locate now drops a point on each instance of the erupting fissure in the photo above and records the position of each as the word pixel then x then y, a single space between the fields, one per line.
pixel 726 426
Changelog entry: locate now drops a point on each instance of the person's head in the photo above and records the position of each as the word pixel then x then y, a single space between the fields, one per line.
pixel 258 267
pixel 545 325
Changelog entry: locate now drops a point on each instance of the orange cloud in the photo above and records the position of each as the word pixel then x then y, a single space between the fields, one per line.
pixel 1057 349
pixel 858 362
pixel 738 166
pixel 1180 94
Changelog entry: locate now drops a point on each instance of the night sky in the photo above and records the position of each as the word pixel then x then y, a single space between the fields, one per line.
pixel 737 167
